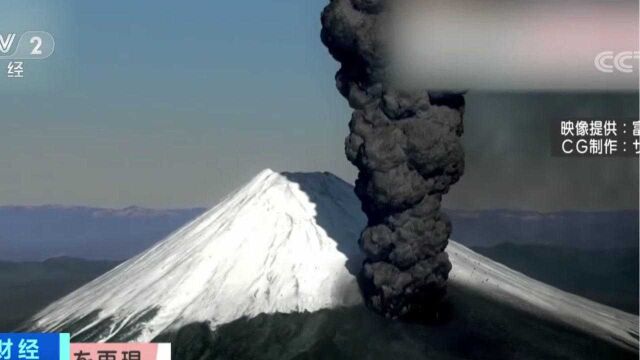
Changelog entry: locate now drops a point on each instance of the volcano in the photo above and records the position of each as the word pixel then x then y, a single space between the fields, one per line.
pixel 286 243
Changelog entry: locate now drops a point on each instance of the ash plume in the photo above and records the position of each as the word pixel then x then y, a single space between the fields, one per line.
pixel 406 146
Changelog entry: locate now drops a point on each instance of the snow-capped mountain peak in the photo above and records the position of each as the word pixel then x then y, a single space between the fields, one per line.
pixel 261 250
pixel 285 242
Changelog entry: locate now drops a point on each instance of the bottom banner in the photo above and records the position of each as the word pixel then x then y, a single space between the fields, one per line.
pixel 35 346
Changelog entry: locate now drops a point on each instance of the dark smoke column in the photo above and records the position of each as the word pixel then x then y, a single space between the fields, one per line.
pixel 406 145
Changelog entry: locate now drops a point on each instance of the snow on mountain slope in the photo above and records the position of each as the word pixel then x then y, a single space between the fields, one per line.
pixel 495 280
pixel 282 243
pixel 260 250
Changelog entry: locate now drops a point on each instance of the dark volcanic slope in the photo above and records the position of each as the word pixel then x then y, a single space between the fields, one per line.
pixel 474 328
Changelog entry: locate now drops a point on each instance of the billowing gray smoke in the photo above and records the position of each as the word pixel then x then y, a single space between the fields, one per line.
pixel 406 145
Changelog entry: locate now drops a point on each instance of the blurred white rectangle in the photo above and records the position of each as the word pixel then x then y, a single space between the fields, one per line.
pixel 516 45
pixel 164 351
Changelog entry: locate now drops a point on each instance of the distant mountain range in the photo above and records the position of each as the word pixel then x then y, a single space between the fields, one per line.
pixel 40 232
pixel 577 229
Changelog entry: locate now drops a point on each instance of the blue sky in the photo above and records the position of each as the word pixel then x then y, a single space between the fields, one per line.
pixel 174 104
pixel 167 104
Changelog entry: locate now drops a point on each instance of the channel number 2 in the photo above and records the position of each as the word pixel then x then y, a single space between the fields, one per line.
pixel 37 42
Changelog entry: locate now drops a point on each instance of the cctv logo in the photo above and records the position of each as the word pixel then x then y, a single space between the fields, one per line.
pixel 608 62
pixel 6 42
pixel 36 45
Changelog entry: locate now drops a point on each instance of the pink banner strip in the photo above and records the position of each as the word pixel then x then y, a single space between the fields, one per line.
pixel 120 351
